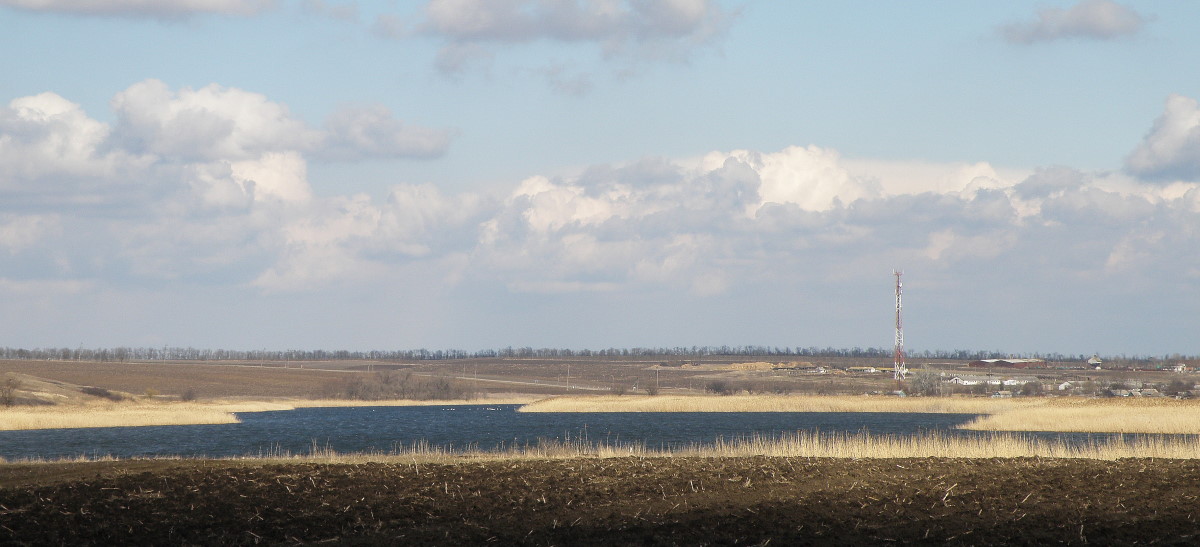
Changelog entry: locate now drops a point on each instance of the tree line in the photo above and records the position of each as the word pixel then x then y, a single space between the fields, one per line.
pixel 168 353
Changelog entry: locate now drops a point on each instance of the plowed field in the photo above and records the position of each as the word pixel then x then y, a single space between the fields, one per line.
pixel 664 501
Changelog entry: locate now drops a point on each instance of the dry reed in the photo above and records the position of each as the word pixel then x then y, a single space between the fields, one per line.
pixel 778 403
pixel 1065 414
pixel 802 445
pixel 151 412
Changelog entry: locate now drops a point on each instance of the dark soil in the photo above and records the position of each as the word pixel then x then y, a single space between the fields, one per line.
pixel 667 501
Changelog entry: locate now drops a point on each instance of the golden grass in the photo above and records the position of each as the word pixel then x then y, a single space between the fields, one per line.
pixel 1065 414
pixel 777 403
pixel 1097 415
pixel 800 445
pixel 116 414
pixel 150 412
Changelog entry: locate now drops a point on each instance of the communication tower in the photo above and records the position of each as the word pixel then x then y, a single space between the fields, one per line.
pixel 898 368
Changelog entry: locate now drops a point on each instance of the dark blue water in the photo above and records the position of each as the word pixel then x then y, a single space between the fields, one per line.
pixel 384 429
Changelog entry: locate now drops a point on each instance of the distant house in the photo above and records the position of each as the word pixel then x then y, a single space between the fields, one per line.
pixel 975 380
pixel 864 370
pixel 1095 361
pixel 1180 368
pixel 1002 395
pixel 1008 363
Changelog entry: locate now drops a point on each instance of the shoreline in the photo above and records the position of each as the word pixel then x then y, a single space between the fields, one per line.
pixel 139 413
pixel 1059 414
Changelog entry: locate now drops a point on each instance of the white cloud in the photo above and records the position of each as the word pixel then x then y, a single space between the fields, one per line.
pixel 213 122
pixel 1171 150
pixel 20 232
pixel 810 177
pixel 1089 19
pixel 45 134
pixel 372 132
pixel 144 8
pixel 631 29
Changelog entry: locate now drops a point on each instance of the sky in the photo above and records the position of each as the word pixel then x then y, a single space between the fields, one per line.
pixel 472 174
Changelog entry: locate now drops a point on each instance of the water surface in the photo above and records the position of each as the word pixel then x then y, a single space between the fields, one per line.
pixel 383 429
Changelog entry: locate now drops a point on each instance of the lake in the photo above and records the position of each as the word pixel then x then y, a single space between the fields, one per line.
pixel 383 429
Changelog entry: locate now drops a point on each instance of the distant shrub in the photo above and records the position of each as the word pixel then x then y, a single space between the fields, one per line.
pixel 652 390
pixel 8 391
pixel 720 387
pixel 188 395
pixel 391 385
pixel 101 392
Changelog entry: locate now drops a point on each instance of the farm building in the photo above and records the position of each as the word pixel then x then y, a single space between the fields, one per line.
pixel 975 380
pixel 1008 363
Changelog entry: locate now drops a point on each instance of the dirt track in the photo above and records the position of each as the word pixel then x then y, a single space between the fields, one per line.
pixel 677 501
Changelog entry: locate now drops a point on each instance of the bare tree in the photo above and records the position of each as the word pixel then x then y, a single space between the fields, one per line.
pixel 8 391
pixel 926 382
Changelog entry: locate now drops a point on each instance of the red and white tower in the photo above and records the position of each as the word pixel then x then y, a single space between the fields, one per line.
pixel 898 368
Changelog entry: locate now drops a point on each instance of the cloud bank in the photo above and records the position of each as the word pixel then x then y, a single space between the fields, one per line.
pixel 208 189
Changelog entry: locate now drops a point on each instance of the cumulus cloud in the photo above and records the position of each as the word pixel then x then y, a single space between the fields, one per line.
pixel 372 132
pixel 144 8
pixel 1171 149
pixel 213 122
pixel 1089 19
pixel 667 29
pixel 234 208
pixel 216 122
pixel 45 134
pixel 208 183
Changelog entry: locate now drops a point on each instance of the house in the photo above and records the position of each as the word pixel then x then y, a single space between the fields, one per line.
pixel 1002 395
pixel 1007 363
pixel 864 370
pixel 1095 361
pixel 975 380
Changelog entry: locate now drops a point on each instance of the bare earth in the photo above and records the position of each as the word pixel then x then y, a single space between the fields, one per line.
pixel 624 501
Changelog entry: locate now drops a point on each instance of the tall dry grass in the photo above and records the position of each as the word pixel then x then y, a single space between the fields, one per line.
pixel 117 414
pixel 1156 415
pixel 799 445
pixel 778 403
pixel 158 412
pixel 1065 414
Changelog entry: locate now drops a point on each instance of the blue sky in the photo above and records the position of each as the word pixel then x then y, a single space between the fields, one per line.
pixel 596 173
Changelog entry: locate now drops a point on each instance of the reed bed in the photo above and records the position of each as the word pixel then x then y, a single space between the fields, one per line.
pixel 779 403
pixel 152 413
pixel 861 445
pixel 118 414
pixel 1064 414
pixel 1160 416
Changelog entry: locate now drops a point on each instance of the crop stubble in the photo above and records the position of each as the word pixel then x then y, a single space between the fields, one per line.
pixel 657 501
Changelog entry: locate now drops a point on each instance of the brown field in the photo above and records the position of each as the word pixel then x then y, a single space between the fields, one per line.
pixel 607 501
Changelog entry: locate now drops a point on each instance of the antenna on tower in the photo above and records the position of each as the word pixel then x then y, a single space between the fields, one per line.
pixel 898 368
